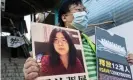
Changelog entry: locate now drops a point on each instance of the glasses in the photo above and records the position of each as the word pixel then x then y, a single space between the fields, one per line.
pixel 63 41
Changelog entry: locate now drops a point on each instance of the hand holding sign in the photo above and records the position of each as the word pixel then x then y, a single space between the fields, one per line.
pixel 31 69
pixel 130 58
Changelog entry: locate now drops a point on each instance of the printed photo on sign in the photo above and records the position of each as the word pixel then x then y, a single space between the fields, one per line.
pixel 111 56
pixel 59 53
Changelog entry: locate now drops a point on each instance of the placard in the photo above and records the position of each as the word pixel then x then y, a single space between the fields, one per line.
pixel 111 56
pixel 59 52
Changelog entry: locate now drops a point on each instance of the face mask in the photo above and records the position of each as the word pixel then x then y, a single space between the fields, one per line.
pixel 80 21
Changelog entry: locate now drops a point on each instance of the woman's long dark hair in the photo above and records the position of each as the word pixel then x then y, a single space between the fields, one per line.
pixel 54 56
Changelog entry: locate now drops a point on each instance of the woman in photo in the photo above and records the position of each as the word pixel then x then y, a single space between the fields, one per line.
pixel 62 58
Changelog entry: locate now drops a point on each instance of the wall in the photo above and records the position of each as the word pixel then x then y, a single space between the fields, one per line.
pixel 119 11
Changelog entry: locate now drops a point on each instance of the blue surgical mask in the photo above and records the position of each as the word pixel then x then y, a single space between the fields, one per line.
pixel 80 21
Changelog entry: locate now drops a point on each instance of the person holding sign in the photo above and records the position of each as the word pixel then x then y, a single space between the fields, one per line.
pixel 71 15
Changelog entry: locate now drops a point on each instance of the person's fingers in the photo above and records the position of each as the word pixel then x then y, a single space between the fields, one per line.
pixel 130 56
pixel 30 59
pixel 31 54
pixel 39 64
pixel 31 76
pixel 130 61
pixel 32 69
pixel 30 63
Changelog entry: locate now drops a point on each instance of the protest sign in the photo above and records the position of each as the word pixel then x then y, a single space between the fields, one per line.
pixel 111 56
pixel 59 52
